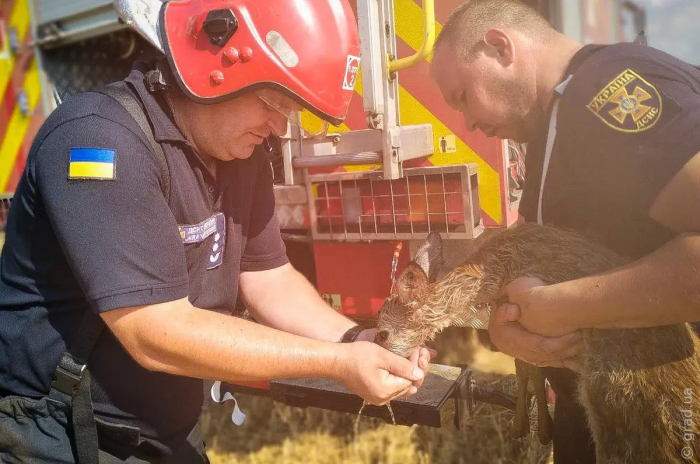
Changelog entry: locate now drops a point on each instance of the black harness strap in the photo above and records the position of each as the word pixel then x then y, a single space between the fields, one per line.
pixel 133 107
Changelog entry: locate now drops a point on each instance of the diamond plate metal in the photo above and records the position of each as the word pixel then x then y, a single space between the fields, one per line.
pixel 292 216
pixel 94 63
pixel 291 206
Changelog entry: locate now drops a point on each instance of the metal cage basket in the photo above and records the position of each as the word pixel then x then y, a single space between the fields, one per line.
pixel 365 206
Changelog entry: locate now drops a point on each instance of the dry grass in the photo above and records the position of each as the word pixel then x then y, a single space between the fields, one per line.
pixel 279 434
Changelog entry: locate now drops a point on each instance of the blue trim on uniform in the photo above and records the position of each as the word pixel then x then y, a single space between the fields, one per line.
pixel 91 155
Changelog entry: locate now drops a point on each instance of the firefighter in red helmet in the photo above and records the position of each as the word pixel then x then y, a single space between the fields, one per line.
pixel 309 51
pixel 146 212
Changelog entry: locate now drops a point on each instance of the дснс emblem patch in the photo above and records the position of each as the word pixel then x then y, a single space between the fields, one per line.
pixel 628 103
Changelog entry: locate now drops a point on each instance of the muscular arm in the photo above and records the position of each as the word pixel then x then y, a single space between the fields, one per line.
pixel 661 288
pixel 177 338
pixel 282 298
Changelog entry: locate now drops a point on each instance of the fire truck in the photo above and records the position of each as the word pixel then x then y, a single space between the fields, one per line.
pixel 354 205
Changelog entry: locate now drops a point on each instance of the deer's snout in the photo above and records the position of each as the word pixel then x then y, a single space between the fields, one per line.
pixel 381 337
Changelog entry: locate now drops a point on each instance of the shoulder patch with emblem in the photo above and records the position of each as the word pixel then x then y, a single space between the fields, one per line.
pixel 628 103
pixel 91 163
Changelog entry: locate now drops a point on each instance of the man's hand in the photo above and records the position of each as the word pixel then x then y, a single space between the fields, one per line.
pixel 420 358
pixel 537 314
pixel 513 339
pixel 377 375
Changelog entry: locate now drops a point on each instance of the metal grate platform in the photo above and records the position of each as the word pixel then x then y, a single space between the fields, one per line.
pixel 430 406
pixel 446 399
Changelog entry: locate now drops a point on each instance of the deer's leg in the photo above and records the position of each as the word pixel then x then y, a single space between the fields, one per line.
pixel 545 425
pixel 521 424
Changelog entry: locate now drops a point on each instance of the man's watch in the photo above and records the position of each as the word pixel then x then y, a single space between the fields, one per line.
pixel 351 335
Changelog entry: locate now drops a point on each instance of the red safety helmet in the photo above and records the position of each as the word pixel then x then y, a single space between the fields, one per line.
pixel 307 49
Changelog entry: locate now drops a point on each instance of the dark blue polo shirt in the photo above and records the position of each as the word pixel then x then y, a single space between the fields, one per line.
pixel 111 240
pixel 628 121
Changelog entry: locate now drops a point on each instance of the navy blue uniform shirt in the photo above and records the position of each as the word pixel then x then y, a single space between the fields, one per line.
pixel 628 121
pixel 111 240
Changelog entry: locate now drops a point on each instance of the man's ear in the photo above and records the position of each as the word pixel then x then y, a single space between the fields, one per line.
pixel 429 256
pixel 501 45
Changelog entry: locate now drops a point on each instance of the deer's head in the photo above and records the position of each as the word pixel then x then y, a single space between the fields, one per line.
pixel 402 326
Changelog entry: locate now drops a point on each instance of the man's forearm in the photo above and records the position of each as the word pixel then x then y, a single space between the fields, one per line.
pixel 660 289
pixel 283 298
pixel 179 339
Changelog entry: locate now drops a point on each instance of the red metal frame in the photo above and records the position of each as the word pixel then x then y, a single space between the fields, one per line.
pixel 359 272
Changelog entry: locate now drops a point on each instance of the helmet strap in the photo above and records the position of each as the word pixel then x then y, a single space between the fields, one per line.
pixel 155 79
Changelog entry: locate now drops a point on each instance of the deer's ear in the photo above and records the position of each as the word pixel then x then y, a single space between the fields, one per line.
pixel 412 284
pixel 429 256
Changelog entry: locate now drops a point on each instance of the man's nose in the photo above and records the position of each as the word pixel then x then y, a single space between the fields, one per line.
pixel 469 123
pixel 278 124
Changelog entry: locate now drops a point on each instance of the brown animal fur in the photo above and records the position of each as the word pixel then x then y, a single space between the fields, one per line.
pixel 636 384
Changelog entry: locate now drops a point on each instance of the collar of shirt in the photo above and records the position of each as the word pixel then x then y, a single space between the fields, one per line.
pixel 534 157
pixel 164 128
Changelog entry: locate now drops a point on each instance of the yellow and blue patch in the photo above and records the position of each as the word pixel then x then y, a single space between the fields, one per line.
pixel 628 103
pixel 91 163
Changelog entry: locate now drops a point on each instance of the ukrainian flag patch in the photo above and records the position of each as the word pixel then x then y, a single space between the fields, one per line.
pixel 91 163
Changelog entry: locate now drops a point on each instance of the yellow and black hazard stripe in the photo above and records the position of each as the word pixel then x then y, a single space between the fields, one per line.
pixel 20 85
pixel 422 103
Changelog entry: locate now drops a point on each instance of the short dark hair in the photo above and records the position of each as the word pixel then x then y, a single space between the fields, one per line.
pixel 467 25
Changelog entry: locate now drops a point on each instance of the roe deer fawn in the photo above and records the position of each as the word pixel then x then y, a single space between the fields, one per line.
pixel 634 383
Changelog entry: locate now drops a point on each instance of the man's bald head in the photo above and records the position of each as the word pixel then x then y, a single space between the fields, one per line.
pixel 497 62
pixel 465 28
